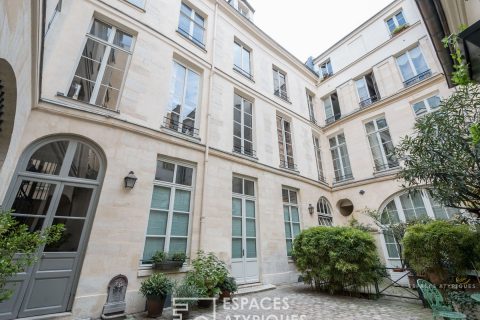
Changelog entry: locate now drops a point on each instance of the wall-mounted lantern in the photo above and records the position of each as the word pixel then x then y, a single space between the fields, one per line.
pixel 310 208
pixel 130 180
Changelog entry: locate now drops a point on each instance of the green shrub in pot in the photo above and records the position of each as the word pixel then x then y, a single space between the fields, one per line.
pixel 155 289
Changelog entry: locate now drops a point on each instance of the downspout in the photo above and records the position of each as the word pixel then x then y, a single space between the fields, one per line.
pixel 207 146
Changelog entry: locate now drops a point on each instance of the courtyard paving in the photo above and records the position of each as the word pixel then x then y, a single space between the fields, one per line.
pixel 299 302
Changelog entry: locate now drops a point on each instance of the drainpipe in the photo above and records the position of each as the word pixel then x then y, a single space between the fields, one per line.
pixel 207 146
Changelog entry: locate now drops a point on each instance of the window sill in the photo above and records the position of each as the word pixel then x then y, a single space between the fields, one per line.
pixel 344 181
pixel 198 45
pixel 177 134
pixel 245 156
pixel 387 171
pixel 283 99
pixel 147 270
pixel 85 106
pixel 244 75
pixel 294 171
pixel 142 10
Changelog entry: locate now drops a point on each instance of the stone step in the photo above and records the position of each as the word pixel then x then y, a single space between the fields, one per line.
pixel 253 288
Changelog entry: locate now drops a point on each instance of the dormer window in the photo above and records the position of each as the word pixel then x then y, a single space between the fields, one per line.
pixel 326 69
pixel 243 7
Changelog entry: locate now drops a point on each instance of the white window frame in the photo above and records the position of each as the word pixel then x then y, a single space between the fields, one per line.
pixel 428 205
pixel 330 106
pixel 410 62
pixel 290 204
pixel 328 67
pixel 276 75
pixel 336 149
pixel 241 69
pixel 173 187
pixel 285 164
pixel 376 133
pixel 370 100
pixel 324 218
pixel 244 198
pixel 311 105
pixel 189 34
pixel 243 125
pixel 108 44
pixel 428 106
pixel 395 21
pixel 318 157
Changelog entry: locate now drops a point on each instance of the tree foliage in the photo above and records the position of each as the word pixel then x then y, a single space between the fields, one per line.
pixel 337 258
pixel 18 248
pixel 441 153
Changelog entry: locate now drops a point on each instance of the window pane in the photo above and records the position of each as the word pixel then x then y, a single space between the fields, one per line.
pixel 157 223
pixel 152 245
pixel 198 33
pixel 74 201
pixel 237 185
pixel 237 55
pixel 81 89
pixel 236 207
pixel 107 97
pixel 434 102
pixel 251 248
pixel 400 18
pixel 184 25
pixel 285 198
pixel 250 209
pixel 391 25
pixel 87 69
pixel 246 61
pixel 184 175
pixel 250 226
pixel 236 227
pixel 164 171
pixel 392 251
pixel 296 229
pixel 48 159
pixel 70 238
pixel 286 213
pixel 161 198
pixel 182 200
pixel 288 231
pixel 180 224
pixel 123 40
pixel 404 65
pixel 101 30
pixel 417 60
pixel 249 188
pixel 293 196
pixel 33 223
pixel 33 198
pixel 85 164
pixel 419 108
pixel 294 212
pixel 236 248
pixel 178 245
pixel 289 248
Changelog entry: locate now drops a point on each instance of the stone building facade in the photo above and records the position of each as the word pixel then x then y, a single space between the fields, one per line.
pixel 235 143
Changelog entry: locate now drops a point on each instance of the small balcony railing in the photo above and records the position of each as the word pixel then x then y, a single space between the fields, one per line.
pixel 242 72
pixel 245 151
pixel 386 166
pixel 281 94
pixel 333 118
pixel 419 77
pixel 321 178
pixel 180 127
pixel 369 101
pixel 343 178
pixel 288 165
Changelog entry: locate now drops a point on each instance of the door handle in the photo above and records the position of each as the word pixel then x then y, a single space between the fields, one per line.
pixel 243 252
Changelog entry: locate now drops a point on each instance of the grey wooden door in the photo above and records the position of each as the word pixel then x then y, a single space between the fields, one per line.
pixel 41 198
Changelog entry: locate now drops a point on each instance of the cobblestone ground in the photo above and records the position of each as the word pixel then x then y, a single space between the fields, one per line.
pixel 302 301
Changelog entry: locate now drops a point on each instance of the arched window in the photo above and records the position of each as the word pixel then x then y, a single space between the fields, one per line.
pixel 324 211
pixel 410 206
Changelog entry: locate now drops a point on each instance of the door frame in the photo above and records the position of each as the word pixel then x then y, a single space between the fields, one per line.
pixel 20 174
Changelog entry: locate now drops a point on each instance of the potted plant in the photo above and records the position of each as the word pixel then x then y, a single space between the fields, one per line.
pixel 155 289
pixel 399 29
pixel 207 274
pixel 163 261
pixel 185 290
pixel 227 288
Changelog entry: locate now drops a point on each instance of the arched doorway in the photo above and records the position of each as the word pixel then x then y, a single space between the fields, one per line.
pixel 8 106
pixel 57 181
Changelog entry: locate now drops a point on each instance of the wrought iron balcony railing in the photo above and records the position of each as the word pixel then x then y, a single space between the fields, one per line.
pixel 333 118
pixel 180 127
pixel 245 151
pixel 386 166
pixel 419 77
pixel 369 101
pixel 242 72
pixel 343 178
pixel 281 94
pixel 288 165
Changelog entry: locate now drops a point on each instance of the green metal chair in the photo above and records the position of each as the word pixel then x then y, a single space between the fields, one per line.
pixel 436 302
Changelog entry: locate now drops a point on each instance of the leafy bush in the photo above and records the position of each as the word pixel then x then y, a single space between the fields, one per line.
pixel 16 238
pixel 337 258
pixel 157 285
pixel 207 274
pixel 229 285
pixel 186 290
pixel 439 247
pixel 159 257
pixel 178 256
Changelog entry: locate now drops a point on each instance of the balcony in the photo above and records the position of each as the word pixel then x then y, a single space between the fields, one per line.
pixel 333 118
pixel 242 72
pixel 288 165
pixel 419 77
pixel 385 167
pixel 321 178
pixel 369 101
pixel 281 94
pixel 343 178
pixel 249 152
pixel 180 127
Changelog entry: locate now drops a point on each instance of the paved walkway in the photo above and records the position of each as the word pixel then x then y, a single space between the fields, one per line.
pixel 299 302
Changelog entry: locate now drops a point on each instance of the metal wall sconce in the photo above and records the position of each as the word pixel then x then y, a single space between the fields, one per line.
pixel 310 208
pixel 362 192
pixel 130 180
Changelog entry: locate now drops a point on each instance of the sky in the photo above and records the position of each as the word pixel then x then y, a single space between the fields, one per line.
pixel 309 27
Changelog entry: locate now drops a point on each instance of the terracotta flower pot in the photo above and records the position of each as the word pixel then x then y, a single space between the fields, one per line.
pixel 155 306
pixel 225 295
